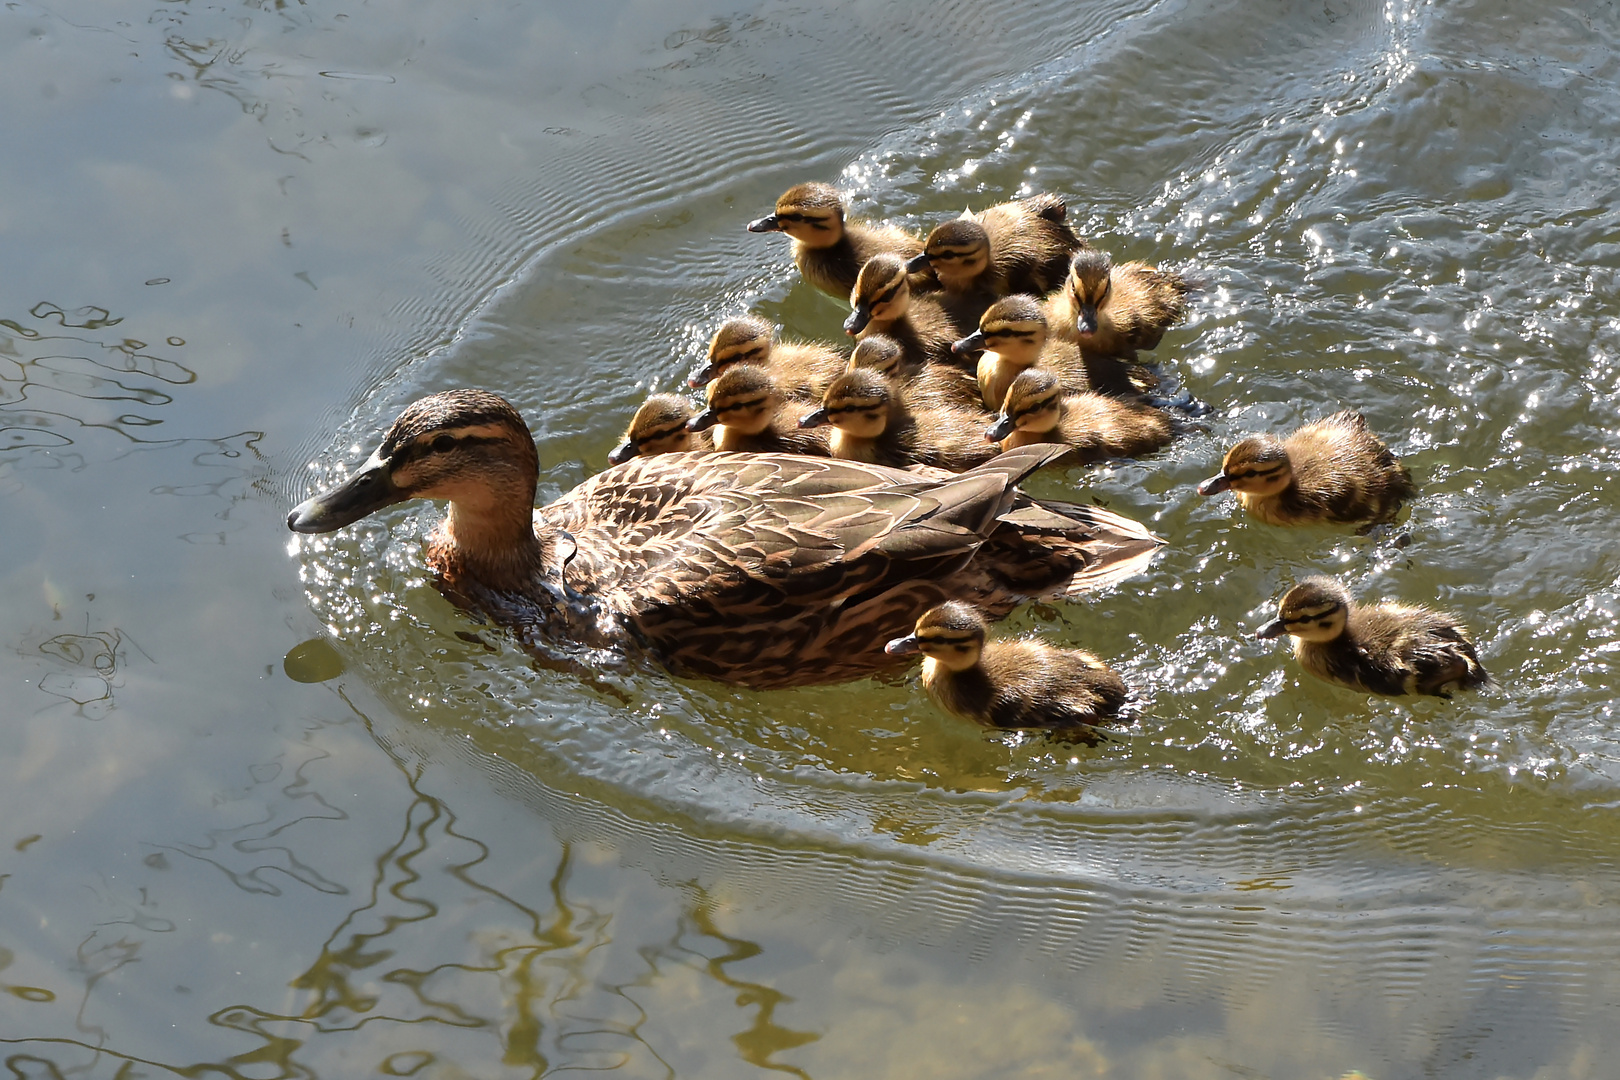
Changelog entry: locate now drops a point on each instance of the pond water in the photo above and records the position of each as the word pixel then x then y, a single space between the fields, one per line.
pixel 273 808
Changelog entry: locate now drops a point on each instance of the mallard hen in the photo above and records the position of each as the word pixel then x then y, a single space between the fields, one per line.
pixel 764 570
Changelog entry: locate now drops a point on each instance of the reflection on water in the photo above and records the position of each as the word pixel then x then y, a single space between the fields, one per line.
pixel 765 1038
pixel 40 367
pixel 87 669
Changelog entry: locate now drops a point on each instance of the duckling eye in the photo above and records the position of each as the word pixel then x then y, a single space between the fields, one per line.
pixel 444 443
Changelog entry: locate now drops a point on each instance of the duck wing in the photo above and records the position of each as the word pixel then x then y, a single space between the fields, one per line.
pixel 774 570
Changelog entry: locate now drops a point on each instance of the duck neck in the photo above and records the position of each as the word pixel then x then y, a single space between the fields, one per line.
pixel 490 537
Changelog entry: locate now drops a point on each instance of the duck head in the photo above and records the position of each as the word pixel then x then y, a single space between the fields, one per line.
pixel 1314 610
pixel 813 214
pixel 468 446
pixel 950 635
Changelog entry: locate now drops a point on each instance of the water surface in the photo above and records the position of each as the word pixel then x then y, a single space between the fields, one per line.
pixel 242 239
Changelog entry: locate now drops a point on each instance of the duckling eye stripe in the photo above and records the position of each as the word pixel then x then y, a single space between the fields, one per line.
pixel 731 406
pixel 1034 407
pixel 888 294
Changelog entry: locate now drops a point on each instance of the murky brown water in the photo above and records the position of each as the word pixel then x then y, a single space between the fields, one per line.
pixel 239 239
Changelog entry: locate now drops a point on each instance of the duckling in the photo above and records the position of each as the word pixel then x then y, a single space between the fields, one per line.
pixel 829 250
pixel 1333 470
pixel 1386 648
pixel 1014 247
pixel 1013 334
pixel 763 570
pixel 1007 684
pixel 750 410
pixel 934 385
pixel 1116 310
pixel 659 427
pixel 883 303
pixel 872 421
pixel 1037 410
pixel 801 370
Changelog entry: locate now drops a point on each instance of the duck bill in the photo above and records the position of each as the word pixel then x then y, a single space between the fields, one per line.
pixel 973 343
pixel 768 223
pixel 904 646
pixel 704 375
pixel 703 421
pixel 1215 485
pixel 1086 322
pixel 366 492
pixel 999 430
pixel 857 320
pixel 1273 629
pixel 919 264
pixel 816 419
pixel 623 452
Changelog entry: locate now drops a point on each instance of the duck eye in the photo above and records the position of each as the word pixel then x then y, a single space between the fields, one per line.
pixel 444 443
